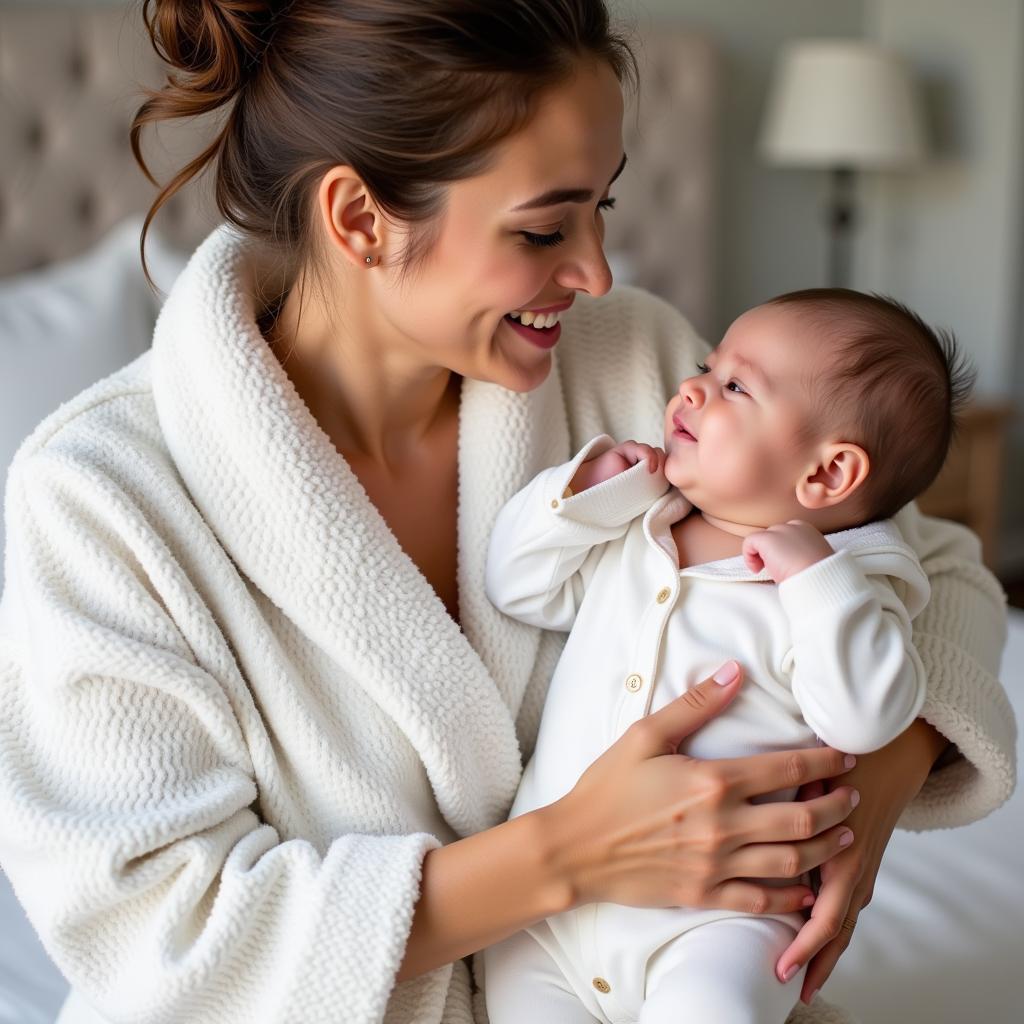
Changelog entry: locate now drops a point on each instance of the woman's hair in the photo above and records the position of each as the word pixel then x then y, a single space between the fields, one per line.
pixel 412 94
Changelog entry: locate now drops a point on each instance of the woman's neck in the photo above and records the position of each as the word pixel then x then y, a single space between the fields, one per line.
pixel 374 401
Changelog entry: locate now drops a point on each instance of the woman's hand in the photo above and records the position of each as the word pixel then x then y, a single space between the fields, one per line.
pixel 887 780
pixel 646 826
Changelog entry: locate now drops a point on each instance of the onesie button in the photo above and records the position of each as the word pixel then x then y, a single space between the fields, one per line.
pixel 602 986
pixel 633 684
pixel 663 595
pixel 554 503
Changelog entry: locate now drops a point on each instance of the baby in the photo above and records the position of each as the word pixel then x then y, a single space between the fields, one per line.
pixel 761 532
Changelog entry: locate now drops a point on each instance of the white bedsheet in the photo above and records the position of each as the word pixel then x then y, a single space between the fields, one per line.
pixel 941 943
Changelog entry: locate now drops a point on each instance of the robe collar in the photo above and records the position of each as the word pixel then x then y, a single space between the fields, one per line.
pixel 296 522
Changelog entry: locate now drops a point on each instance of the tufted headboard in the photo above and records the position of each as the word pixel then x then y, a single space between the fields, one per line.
pixel 69 82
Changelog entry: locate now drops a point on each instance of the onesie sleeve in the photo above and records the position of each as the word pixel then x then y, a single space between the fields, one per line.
pixel 546 544
pixel 132 830
pixel 856 676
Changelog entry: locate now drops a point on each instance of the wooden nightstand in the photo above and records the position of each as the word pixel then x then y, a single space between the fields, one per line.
pixel 969 488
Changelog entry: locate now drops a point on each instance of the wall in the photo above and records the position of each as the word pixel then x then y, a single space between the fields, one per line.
pixel 773 236
pixel 949 238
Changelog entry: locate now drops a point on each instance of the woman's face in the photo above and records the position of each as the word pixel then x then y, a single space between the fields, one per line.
pixel 523 237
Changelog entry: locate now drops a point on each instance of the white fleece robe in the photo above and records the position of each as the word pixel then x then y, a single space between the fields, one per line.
pixel 234 714
pixel 827 654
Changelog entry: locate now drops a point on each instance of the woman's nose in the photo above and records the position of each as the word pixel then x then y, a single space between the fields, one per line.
pixel 587 269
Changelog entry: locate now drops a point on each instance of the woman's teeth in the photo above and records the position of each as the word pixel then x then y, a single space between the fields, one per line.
pixel 537 320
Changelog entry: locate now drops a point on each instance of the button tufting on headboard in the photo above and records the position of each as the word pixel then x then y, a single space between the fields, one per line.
pixel 68 89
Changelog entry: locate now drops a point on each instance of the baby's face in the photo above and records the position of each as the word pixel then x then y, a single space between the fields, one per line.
pixel 733 431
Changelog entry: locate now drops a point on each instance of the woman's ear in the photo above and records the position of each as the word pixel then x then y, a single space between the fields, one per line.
pixel 840 470
pixel 352 221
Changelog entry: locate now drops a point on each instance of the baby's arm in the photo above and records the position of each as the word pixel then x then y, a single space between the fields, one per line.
pixel 856 676
pixel 547 540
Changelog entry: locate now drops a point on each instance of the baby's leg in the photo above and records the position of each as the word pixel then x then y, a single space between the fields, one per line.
pixel 523 985
pixel 722 972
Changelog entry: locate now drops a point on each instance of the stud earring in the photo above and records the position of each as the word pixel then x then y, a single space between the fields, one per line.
pixel 369 259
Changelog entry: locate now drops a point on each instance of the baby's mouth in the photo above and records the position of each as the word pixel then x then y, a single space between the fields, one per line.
pixel 681 430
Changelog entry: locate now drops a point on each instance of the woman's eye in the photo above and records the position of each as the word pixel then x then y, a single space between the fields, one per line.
pixel 555 238
pixel 607 204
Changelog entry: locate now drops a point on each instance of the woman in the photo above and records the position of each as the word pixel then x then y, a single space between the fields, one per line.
pixel 262 726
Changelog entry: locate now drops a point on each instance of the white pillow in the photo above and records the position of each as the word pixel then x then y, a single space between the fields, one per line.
pixel 70 324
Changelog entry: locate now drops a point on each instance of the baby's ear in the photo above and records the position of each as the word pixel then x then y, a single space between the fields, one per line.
pixel 840 470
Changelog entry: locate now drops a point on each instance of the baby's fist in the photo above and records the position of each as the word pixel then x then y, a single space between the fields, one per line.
pixel 615 461
pixel 785 549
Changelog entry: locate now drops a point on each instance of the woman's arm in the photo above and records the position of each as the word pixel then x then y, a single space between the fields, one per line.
pixel 644 826
pixel 887 781
pixel 960 636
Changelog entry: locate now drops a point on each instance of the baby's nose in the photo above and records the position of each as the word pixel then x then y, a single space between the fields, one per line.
pixel 690 391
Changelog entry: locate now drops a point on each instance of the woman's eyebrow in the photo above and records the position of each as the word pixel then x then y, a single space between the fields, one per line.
pixel 565 195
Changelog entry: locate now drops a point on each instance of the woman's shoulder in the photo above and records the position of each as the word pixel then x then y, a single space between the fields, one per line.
pixel 98 463
pixel 620 357
pixel 631 313
pixel 112 420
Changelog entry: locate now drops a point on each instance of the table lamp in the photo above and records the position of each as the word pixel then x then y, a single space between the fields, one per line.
pixel 841 105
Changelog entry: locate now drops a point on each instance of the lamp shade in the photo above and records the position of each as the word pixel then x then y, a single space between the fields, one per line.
pixel 840 103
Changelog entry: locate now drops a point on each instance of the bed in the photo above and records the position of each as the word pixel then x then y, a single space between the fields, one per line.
pixel 942 940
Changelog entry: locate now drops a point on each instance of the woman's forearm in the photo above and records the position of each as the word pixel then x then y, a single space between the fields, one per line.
pixel 480 890
pixel 926 743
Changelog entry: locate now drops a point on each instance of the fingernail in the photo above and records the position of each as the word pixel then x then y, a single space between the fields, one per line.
pixel 849 760
pixel 854 798
pixel 845 837
pixel 808 901
pixel 728 673
pixel 791 972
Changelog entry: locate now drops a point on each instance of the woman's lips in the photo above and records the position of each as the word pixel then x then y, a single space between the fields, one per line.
pixel 544 337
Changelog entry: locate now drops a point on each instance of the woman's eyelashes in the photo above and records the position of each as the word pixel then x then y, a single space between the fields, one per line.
pixel 556 237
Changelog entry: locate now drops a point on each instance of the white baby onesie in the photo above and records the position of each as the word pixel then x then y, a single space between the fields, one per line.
pixel 826 654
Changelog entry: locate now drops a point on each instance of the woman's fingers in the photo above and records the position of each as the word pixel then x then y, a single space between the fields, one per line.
pixel 783 769
pixel 832 921
pixel 787 860
pixel 786 822
pixel 750 898
pixel 663 731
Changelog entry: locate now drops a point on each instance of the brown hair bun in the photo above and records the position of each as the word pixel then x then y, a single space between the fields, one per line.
pixel 218 42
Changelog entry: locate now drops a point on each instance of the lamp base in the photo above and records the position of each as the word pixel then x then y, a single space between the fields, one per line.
pixel 841 217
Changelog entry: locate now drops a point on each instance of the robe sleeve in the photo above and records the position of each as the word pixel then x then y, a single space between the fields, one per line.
pixel 131 813
pixel 960 636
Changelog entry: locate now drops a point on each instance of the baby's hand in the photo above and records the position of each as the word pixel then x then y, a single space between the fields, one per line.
pixel 786 549
pixel 615 461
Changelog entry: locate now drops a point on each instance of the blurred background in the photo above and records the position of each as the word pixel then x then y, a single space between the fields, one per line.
pixel 778 145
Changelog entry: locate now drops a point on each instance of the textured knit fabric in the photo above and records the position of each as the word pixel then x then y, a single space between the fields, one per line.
pixel 234 716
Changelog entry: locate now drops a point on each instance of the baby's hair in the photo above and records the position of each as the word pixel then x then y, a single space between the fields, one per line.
pixel 895 386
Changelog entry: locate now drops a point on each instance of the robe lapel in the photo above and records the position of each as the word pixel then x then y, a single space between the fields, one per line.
pixel 297 523
pixel 505 439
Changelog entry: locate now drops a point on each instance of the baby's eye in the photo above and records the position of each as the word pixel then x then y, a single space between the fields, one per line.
pixel 736 387
pixel 703 368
